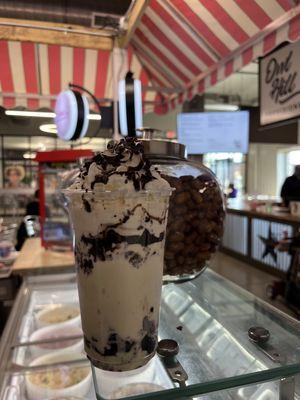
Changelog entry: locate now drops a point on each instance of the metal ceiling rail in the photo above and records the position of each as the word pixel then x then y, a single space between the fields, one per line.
pixel 58 29
pixel 53 97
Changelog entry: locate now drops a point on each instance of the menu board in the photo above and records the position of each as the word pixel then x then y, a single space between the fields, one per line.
pixel 212 132
pixel 280 85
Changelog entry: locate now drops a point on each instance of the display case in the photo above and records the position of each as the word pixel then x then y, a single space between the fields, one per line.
pixel 208 317
pixel 55 230
pixel 13 203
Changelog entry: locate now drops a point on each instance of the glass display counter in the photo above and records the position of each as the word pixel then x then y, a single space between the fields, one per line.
pixel 208 317
pixel 13 203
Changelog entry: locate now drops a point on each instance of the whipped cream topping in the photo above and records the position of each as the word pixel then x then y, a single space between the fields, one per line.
pixel 123 166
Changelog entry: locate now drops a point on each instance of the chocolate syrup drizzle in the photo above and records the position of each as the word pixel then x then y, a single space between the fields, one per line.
pixel 114 344
pixel 108 240
pixel 118 154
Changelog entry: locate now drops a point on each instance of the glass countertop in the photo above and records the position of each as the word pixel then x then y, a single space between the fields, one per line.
pixel 209 317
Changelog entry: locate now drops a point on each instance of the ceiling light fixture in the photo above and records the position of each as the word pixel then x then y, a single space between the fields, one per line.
pixel 25 113
pixel 43 114
pixel 94 117
pixel 221 107
pixel 48 128
pixel 29 155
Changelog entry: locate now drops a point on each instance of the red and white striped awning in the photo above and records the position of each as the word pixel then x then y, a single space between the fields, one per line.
pixel 41 71
pixel 193 44
pixel 185 45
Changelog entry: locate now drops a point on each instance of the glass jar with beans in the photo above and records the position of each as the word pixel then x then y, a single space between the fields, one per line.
pixel 196 211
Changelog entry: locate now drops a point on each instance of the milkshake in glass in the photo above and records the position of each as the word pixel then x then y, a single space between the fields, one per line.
pixel 118 207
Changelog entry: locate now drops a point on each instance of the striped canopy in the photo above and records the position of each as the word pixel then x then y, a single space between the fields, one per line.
pixel 193 44
pixel 40 69
pixel 185 45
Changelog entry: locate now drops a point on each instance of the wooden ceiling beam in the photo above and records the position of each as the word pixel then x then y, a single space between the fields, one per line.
pixel 55 33
pixel 133 21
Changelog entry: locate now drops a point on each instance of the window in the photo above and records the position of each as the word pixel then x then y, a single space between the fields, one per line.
pixel 229 168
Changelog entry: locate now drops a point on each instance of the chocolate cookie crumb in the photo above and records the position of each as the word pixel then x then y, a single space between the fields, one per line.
pixel 148 344
pixel 86 205
pixel 134 258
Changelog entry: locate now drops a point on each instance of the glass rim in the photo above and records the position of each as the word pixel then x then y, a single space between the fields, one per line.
pixel 119 193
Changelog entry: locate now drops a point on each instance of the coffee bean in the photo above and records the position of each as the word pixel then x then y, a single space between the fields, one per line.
pixel 176 237
pixel 195 223
pixel 188 249
pixel 171 263
pixel 181 198
pixel 177 225
pixel 190 260
pixel 191 204
pixel 175 247
pixel 180 260
pixel 169 255
pixel 182 210
pixel 187 178
pixel 193 236
pixel 196 184
pixel 197 196
pixel 204 247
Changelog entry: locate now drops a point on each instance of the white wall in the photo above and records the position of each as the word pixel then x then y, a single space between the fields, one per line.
pixel 265 168
pixel 167 122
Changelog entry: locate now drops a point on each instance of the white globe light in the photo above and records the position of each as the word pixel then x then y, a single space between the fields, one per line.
pixel 72 113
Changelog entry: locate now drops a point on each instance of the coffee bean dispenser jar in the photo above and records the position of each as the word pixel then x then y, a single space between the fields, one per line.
pixel 196 212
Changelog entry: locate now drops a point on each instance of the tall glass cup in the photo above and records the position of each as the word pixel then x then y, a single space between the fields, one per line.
pixel 119 251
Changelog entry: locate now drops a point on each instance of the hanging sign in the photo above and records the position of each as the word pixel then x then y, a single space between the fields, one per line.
pixel 280 85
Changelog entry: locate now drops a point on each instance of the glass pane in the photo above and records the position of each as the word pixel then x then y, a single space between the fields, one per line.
pixel 209 318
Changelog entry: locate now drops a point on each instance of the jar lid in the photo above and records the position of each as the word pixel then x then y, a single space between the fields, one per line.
pixel 156 148
pixel 165 148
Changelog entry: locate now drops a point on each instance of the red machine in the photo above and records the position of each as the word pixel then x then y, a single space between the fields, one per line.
pixel 53 161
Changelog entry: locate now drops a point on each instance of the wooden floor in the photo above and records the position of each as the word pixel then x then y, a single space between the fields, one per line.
pixel 248 277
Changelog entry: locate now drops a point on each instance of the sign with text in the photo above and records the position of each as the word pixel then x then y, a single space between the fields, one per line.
pixel 280 85
pixel 213 132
